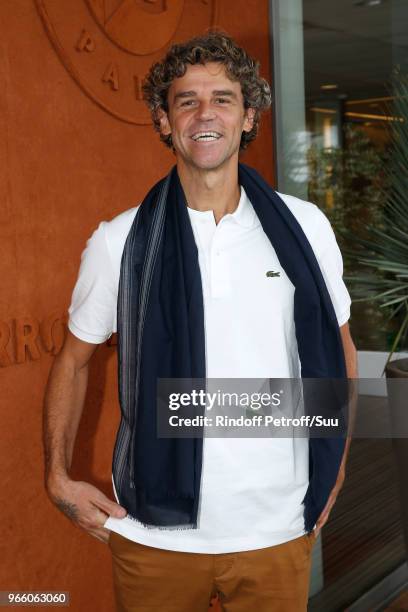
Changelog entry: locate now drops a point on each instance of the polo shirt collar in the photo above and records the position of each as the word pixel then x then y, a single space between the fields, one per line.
pixel 243 215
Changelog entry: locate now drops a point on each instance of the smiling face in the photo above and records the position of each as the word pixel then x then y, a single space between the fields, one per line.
pixel 206 117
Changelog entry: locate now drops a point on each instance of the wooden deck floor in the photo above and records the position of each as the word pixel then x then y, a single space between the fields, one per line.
pixel 400 604
pixel 363 539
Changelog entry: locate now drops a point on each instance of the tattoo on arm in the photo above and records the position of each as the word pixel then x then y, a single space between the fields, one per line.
pixel 70 510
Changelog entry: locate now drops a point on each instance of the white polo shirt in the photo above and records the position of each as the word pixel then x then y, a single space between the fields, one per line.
pixel 251 488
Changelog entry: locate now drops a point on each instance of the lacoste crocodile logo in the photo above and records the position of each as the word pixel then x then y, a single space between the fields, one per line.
pixel 272 274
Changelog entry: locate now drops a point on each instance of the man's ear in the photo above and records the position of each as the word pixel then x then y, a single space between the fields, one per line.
pixel 165 127
pixel 249 119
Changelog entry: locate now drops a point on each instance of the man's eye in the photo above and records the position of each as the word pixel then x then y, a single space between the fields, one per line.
pixel 187 103
pixel 221 100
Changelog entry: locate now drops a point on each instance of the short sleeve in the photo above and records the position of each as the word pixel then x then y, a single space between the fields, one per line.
pixel 92 312
pixel 331 264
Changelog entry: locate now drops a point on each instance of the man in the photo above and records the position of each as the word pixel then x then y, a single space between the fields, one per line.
pixel 213 275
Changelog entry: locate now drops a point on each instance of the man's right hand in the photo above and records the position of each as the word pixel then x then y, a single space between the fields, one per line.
pixel 86 506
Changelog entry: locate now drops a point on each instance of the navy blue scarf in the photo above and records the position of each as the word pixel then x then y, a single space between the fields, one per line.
pixel 161 335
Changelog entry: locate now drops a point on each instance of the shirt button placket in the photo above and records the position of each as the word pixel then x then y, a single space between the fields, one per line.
pixel 217 266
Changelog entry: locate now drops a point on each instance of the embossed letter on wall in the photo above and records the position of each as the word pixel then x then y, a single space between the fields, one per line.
pixel 27 339
pixel 108 45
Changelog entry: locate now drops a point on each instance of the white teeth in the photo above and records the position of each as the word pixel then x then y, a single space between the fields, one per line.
pixel 206 136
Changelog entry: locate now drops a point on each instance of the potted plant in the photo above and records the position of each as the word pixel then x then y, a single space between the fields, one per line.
pixel 346 182
pixel 380 259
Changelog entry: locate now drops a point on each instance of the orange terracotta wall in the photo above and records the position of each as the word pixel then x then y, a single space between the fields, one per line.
pixel 75 148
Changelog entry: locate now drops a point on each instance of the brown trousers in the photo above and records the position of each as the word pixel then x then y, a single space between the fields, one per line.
pixel 272 579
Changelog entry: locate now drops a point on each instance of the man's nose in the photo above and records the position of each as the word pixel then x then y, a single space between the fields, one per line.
pixel 205 111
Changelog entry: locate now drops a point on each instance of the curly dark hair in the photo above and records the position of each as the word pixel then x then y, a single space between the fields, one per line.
pixel 215 46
